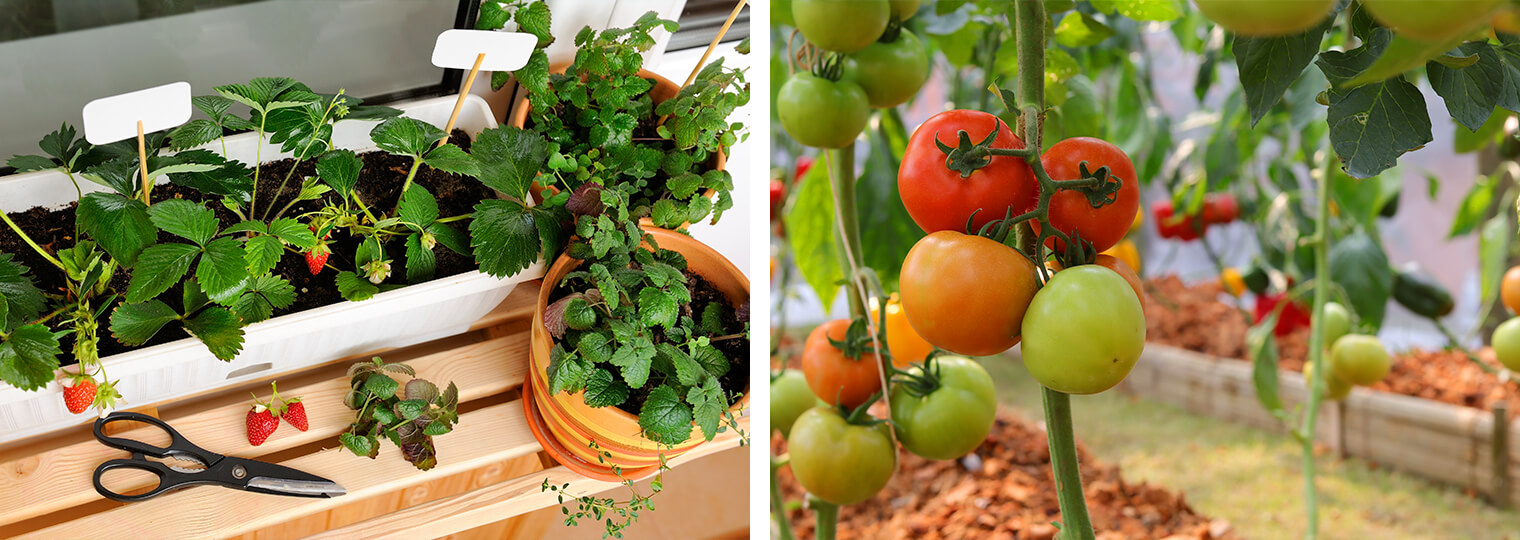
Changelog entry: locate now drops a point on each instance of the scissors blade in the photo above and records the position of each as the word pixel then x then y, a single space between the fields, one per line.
pixel 279 479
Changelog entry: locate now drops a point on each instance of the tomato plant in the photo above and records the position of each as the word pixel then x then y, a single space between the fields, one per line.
pixel 1072 212
pixel 946 411
pixel 1509 289
pixel 1185 228
pixel 940 199
pixel 1083 331
pixel 1337 321
pixel 841 461
pixel 836 366
pixel 1119 267
pixel 1336 388
pixel 966 294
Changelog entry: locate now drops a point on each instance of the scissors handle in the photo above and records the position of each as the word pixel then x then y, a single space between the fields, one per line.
pixel 178 444
pixel 168 479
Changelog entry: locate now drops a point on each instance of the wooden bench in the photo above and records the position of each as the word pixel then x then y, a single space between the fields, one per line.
pixel 490 468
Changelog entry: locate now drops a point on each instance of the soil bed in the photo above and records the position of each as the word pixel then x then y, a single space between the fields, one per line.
pixel 1194 318
pixel 379 187
pixel 1005 492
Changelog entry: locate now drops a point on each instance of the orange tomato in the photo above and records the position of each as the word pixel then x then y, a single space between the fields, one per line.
pixel 1509 289
pixel 1126 251
pixel 834 377
pixel 906 345
pixel 1232 282
pixel 966 294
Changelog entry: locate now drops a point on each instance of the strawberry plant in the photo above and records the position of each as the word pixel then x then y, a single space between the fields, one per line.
pixel 410 415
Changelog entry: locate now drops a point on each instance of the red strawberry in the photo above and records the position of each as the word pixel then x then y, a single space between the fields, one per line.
pixel 317 258
pixel 295 413
pixel 78 394
pixel 261 424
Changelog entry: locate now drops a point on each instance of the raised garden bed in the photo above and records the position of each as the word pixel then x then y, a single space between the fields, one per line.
pixel 1431 416
pixel 1003 490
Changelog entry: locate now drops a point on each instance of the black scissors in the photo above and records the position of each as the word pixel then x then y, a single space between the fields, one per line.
pixel 230 472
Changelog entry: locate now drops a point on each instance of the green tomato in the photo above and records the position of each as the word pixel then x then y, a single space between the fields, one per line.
pixel 1506 342
pixel 1265 18
pixel 952 420
pixel 1083 331
pixel 890 73
pixel 1435 21
pixel 840 462
pixel 902 9
pixel 821 113
pixel 1335 389
pixel 841 25
pixel 781 13
pixel 1337 321
pixel 1359 360
pixel 790 397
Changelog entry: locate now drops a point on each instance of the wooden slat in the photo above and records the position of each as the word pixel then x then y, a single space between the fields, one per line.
pixel 517 307
pixel 60 479
pixel 496 502
pixel 482 437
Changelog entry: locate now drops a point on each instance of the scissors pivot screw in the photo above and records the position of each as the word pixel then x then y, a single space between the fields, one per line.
pixel 239 472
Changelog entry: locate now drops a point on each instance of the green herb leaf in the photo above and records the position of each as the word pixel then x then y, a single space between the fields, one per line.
pixel 710 358
pixel 360 446
pixel 410 409
pixel 264 295
pixel 688 371
pixel 534 18
pixel 185 219
pixel 339 169
pixel 436 428
pixel 664 418
pixel 220 330
pixel 509 158
pixel 595 348
pixel 406 136
pixel 28 357
pixel 602 390
pixel 381 385
pixel 635 357
pixel 452 159
pixel 159 268
pixel 492 16
pixel 421 389
pixel 135 324
pixel 505 237
pixel 355 288
pixel 657 307
pixel 707 405
pixel 579 315
pixel 712 319
pixel 568 373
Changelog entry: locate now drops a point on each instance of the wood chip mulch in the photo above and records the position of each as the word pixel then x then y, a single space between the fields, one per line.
pixel 1005 491
pixel 1194 318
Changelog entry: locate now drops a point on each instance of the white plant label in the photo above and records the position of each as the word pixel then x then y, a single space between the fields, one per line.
pixel 505 51
pixel 115 118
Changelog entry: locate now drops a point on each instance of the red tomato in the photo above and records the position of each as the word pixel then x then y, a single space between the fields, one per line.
pixel 938 198
pixel 1179 228
pixel 1220 208
pixel 1070 212
pixel 804 164
pixel 1293 316
pixel 778 194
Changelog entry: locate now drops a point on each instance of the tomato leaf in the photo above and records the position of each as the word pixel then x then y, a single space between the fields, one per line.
pixel 1470 92
pixel 1493 253
pixel 1358 264
pixel 1474 206
pixel 1262 347
pixel 810 228
pixel 1372 125
pixel 1081 30
pixel 1142 10
pixel 1269 65
pixel 884 223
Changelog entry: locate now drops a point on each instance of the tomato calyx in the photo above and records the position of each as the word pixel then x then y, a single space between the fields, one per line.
pixel 893 31
pixel 860 416
pixel 966 157
pixel 830 67
pixel 857 340
pixel 922 383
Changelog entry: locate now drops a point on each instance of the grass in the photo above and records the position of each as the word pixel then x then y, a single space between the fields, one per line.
pixel 1253 478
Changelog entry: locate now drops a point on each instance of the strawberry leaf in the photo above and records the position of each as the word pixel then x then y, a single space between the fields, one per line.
pixel 355 288
pixel 406 136
pixel 135 324
pixel 23 299
pixel 505 237
pixel 159 268
pixel 220 330
pixel 420 261
pixel 664 418
pixel 185 219
pixel 262 254
pixel 451 238
pixel 120 224
pixel 418 207
pixel 452 159
pixel 264 295
pixel 223 270
pixel 292 232
pixel 28 357
pixel 509 158
pixel 339 169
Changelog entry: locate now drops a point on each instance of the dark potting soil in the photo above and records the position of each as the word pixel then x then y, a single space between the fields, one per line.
pixel 379 187
pixel 736 350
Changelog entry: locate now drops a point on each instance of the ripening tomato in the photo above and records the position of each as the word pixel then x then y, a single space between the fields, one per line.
pixel 1439 21
pixel 790 397
pixel 1506 343
pixel 954 418
pixel 966 294
pixel 906 346
pixel 1119 267
pixel 842 26
pixel 1266 18
pixel 822 113
pixel 1359 360
pixel 1509 289
pixel 1083 331
pixel 939 199
pixel 891 73
pixel 834 377
pixel 840 462
pixel 1070 211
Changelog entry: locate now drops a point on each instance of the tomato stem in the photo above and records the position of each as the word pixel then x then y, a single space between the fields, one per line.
pixel 827 516
pixel 842 163
pixel 1317 342
pixel 778 504
pixel 1063 464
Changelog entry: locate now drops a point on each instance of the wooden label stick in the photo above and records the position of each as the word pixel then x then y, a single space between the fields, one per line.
pixel 124 116
pixel 716 39
pixel 466 49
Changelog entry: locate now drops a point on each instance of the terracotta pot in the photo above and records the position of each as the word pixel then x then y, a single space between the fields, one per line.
pixel 565 425
pixel 663 89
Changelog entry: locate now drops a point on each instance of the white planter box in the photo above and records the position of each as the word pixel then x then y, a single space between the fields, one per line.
pixel 415 314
